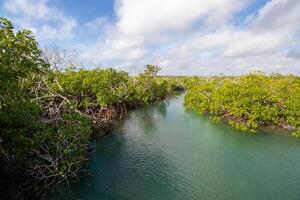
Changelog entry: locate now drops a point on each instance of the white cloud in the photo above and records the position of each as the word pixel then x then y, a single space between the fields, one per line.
pixel 248 44
pixel 258 44
pixel 183 36
pixel 46 21
pixel 32 8
pixel 114 51
pixel 155 16
pixel 142 24
pixel 295 53
pixel 279 15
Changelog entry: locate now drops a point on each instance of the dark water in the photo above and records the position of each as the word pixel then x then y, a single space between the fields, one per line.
pixel 163 152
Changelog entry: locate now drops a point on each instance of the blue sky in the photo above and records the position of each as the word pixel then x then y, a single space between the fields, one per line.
pixel 184 37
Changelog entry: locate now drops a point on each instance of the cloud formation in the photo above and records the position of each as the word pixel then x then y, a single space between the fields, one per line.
pixel 182 36
pixel 46 21
pixel 200 37
pixel 156 16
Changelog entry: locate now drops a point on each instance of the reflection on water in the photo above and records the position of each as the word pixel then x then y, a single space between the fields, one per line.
pixel 148 116
pixel 164 152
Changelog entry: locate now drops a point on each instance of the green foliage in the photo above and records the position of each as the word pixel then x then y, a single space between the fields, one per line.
pixel 28 142
pixel 108 87
pixel 105 87
pixel 20 58
pixel 249 101
pixel 147 88
pixel 45 116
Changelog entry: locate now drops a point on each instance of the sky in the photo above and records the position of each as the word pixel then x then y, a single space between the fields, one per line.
pixel 183 37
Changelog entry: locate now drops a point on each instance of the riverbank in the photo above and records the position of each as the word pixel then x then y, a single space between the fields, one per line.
pixel 162 151
pixel 81 104
pixel 249 101
pixel 48 116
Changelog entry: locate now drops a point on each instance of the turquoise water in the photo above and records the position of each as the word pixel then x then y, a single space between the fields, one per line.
pixel 163 152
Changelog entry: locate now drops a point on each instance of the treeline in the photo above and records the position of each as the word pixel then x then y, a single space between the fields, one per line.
pixel 249 101
pixel 47 116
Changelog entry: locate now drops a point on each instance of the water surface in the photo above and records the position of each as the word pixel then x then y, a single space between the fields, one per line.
pixel 163 152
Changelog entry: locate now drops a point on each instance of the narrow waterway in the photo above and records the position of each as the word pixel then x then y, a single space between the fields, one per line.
pixel 163 152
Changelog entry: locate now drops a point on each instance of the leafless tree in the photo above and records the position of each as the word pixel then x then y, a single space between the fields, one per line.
pixel 59 58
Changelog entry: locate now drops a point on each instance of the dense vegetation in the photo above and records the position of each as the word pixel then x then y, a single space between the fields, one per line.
pixel 47 116
pixel 250 101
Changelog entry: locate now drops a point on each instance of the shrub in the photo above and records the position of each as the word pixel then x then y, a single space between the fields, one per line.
pixel 249 101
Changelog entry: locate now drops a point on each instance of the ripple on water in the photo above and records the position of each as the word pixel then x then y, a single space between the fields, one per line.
pixel 164 152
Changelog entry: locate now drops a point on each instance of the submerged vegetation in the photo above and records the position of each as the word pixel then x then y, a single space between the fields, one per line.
pixel 249 101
